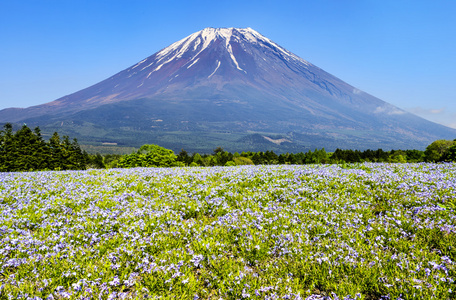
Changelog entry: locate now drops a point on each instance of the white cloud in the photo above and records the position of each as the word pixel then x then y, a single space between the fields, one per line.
pixel 389 110
pixel 438 115
pixel 396 111
pixel 436 111
pixel 379 109
pixel 452 125
pixel 450 121
pixel 427 111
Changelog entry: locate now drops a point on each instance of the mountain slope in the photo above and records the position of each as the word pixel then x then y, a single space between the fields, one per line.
pixel 234 82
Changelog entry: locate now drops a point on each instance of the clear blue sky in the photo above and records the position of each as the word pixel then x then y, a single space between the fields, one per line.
pixel 403 52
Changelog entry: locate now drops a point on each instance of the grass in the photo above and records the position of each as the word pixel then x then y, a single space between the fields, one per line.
pixel 362 231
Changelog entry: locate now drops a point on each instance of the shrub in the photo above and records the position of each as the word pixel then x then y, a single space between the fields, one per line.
pixel 242 161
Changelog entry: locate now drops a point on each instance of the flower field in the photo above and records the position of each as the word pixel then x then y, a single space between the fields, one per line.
pixel 364 231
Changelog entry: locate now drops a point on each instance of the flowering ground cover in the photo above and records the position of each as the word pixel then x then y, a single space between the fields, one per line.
pixel 365 231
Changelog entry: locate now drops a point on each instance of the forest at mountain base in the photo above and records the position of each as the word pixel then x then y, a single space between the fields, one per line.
pixel 27 150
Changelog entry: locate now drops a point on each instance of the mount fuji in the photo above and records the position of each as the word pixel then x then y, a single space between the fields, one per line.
pixel 233 88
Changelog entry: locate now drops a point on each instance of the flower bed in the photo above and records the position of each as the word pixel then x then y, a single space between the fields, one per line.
pixel 365 231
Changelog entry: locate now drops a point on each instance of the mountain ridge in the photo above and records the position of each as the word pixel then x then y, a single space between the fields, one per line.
pixel 239 78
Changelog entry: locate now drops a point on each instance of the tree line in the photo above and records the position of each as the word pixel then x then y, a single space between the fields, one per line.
pixel 27 150
pixel 156 156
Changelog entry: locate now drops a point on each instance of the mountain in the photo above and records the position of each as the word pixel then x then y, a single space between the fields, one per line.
pixel 234 88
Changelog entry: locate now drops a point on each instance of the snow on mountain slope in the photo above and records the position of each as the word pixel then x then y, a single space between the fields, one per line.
pixel 198 42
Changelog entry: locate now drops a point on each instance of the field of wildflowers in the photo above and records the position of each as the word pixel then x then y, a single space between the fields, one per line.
pixel 363 231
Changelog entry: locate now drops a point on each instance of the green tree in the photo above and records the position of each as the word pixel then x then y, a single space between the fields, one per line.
pixel 197 159
pixel 42 151
pixel 149 156
pixel 220 157
pixel 25 150
pixel 397 156
pixel 111 160
pixel 242 161
pixel 320 156
pixel 156 156
pixel 437 150
pixel 414 155
pixel 8 153
pixel 56 152
pixel 96 161
pixel 68 159
pixel 299 158
pixel 282 159
pixel 338 156
pixel 24 141
pixel 451 153
pixel 256 158
pixel 78 159
pixel 130 161
pixel 184 157
pixel 270 157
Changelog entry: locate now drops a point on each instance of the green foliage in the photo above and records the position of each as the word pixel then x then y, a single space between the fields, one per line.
pixel 197 159
pixel 437 150
pixel 414 155
pixel 184 157
pixel 397 156
pixel 111 160
pixel 230 164
pixel 221 157
pixel 96 161
pixel 242 161
pixel 25 150
pixel 149 156
pixel 451 153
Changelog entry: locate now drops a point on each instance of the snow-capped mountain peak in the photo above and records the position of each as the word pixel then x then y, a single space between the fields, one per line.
pixel 235 80
pixel 193 45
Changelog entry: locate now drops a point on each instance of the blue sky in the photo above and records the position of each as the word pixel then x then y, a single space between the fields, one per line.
pixel 403 52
